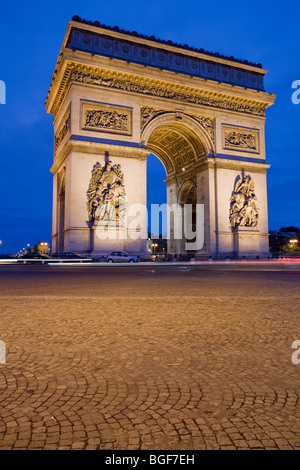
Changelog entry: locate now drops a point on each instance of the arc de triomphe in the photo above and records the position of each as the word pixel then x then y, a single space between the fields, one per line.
pixel 118 96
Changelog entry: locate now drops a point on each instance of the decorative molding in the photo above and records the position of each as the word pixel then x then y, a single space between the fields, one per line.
pixel 240 139
pixel 208 123
pixel 129 83
pixel 63 129
pixel 106 195
pixel 210 67
pixel 106 118
pixel 243 205
pixel 148 113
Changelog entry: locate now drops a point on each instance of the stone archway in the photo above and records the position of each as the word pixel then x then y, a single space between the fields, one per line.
pixel 115 97
pixel 177 139
pixel 180 142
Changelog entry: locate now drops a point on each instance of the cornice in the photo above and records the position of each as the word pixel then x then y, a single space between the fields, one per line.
pixel 116 32
pixel 116 45
pixel 95 149
pixel 211 162
pixel 240 164
pixel 200 92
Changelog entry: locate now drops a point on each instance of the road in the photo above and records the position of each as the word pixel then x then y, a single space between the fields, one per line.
pixel 149 357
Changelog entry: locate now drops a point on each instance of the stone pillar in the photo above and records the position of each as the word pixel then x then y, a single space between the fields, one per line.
pixel 172 198
pixel 77 226
pixel 246 240
pixel 61 221
pixel 206 196
pixel 54 215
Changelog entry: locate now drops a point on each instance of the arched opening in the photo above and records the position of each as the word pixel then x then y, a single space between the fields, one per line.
pixel 156 192
pixel 176 146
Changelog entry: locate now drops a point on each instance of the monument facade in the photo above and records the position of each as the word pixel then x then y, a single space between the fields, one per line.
pixel 117 96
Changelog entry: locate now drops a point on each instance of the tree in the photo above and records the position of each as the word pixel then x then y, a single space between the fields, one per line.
pixel 290 229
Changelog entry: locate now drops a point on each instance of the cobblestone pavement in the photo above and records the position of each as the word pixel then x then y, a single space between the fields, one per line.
pixel 149 358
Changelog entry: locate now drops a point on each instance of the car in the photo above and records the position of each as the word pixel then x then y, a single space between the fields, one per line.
pixel 9 259
pixel 121 257
pixel 8 256
pixel 72 256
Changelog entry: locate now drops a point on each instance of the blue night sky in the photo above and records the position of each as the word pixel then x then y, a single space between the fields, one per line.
pixel 31 35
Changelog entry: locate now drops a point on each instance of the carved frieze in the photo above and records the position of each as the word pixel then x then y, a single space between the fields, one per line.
pixel 188 95
pixel 63 129
pixel 106 194
pixel 241 139
pixel 243 204
pixel 106 118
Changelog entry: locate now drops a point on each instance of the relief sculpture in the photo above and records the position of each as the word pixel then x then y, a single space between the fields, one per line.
pixel 158 90
pixel 148 113
pixel 100 119
pixel 106 195
pixel 240 140
pixel 243 204
pixel 59 137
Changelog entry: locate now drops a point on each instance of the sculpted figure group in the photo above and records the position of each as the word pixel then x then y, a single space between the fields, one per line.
pixel 243 204
pixel 242 140
pixel 106 195
pixel 106 120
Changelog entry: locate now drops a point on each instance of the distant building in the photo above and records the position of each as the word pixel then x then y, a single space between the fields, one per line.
pixel 41 247
pixel 157 246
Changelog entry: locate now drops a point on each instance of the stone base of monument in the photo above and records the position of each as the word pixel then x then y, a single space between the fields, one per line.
pixel 106 237
pixel 203 256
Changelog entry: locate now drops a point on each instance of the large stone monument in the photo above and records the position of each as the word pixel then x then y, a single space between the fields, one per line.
pixel 117 96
